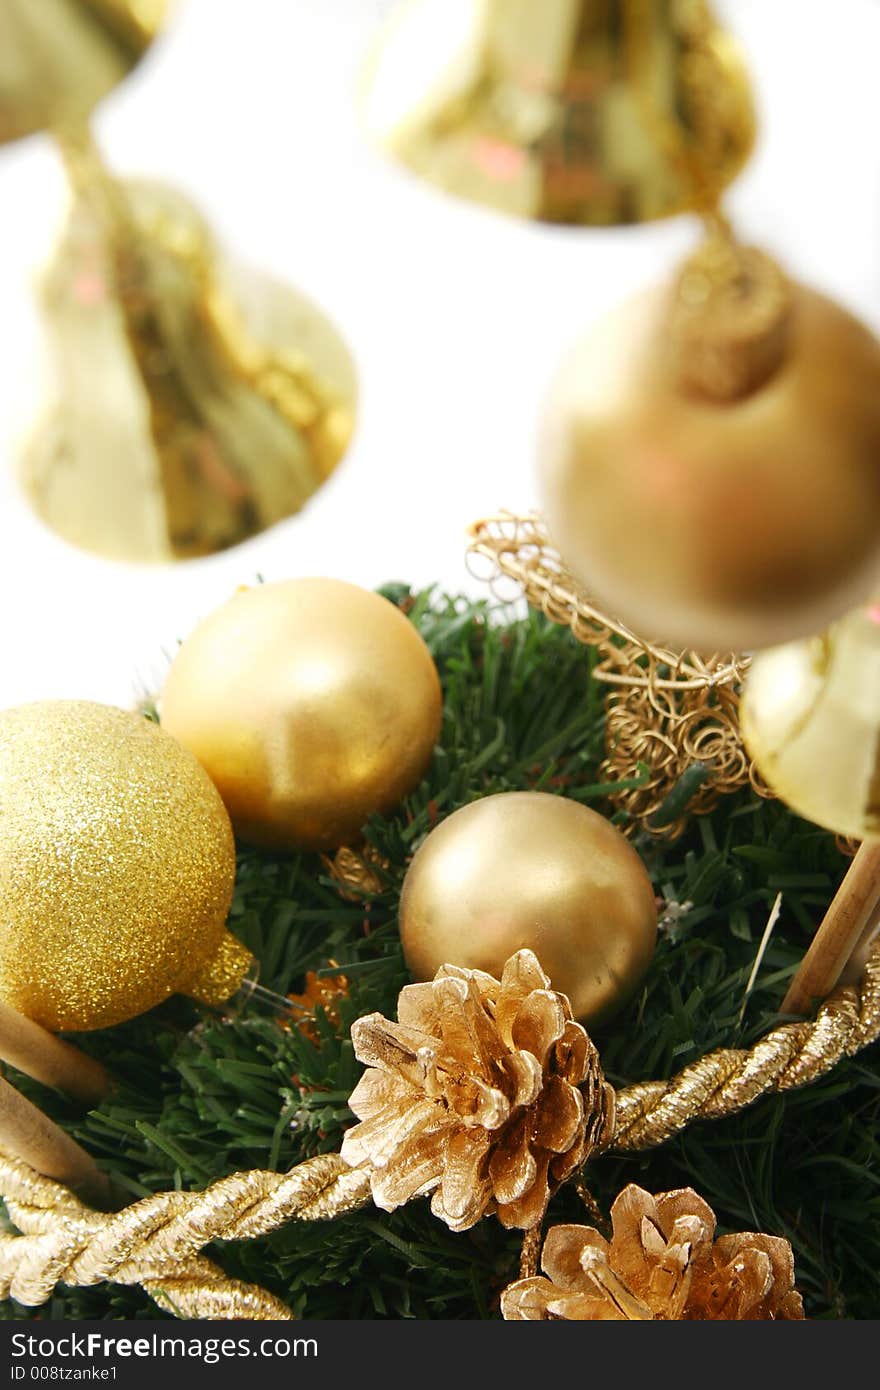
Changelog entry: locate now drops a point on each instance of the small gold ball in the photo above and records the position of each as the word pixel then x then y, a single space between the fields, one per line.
pixel 810 716
pixel 311 703
pixel 717 525
pixel 117 865
pixel 527 869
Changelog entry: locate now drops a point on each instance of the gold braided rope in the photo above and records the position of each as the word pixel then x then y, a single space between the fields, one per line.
pixel 730 1079
pixel 156 1242
pixel 667 712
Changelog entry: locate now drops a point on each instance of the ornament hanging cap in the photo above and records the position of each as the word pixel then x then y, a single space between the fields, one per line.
pixel 730 320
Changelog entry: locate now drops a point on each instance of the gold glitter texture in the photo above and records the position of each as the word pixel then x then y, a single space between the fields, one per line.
pixel 117 865
pixel 222 973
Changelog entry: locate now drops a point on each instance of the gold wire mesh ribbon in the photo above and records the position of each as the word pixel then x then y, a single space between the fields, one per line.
pixel 672 718
pixel 156 1242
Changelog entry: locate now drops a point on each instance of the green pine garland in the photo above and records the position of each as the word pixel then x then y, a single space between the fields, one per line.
pixel 202 1096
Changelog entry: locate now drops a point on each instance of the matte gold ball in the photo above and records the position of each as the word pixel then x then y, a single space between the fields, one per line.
pixel 717 525
pixel 527 869
pixel 117 865
pixel 311 703
pixel 810 716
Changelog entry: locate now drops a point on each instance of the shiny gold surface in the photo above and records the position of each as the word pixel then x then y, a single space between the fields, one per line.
pixel 811 720
pixel 226 399
pixel 717 524
pixel 485 1094
pixel 662 1263
pixel 58 58
pixel 729 1079
pixel 116 865
pixel 153 1242
pixel 565 110
pixel 312 703
pixel 530 870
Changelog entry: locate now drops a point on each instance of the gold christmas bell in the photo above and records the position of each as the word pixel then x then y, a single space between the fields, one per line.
pixel 810 715
pixel 710 457
pixel 59 58
pixel 226 398
pixel 586 112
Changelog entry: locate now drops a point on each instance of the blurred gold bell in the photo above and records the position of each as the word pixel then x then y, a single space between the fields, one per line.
pixel 567 111
pixel 810 715
pixel 710 457
pixel 197 401
pixel 58 58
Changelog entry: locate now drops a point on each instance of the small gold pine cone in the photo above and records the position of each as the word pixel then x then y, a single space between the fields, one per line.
pixel 485 1093
pixel 359 875
pixel 661 1263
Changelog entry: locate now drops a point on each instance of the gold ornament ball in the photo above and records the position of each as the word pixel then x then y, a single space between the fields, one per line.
pixel 117 865
pixel 728 523
pixel 311 703
pixel 810 716
pixel 531 870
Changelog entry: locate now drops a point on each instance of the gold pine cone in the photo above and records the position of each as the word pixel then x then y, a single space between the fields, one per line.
pixel 358 873
pixel 484 1092
pixel 661 1263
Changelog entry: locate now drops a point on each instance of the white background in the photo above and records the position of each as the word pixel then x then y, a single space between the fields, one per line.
pixel 455 316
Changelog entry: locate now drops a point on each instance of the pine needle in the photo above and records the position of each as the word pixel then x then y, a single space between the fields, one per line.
pixel 202 1095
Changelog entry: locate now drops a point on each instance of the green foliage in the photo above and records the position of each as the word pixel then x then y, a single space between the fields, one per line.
pixel 201 1095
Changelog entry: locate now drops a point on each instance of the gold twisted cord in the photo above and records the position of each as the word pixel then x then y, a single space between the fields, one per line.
pixel 156 1241
pixel 55 1224
pixel 730 1079
pixel 199 1289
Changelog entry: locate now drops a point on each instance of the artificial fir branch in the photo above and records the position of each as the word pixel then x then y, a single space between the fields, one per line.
pixel 201 1095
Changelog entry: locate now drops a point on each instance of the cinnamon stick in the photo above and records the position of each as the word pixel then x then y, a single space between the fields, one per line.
pixel 840 933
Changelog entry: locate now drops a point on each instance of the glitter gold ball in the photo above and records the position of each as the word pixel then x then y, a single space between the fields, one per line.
pixel 530 870
pixel 718 525
pixel 117 865
pixel 311 703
